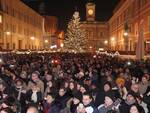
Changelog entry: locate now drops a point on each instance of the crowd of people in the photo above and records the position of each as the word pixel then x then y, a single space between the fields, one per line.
pixel 73 83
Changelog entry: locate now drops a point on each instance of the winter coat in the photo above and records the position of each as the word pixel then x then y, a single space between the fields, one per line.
pixel 29 96
pixel 51 108
pixel 63 101
pixel 124 107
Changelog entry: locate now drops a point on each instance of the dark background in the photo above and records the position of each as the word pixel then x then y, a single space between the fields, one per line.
pixel 64 9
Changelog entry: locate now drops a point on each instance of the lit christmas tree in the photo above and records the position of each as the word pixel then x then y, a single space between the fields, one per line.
pixel 75 38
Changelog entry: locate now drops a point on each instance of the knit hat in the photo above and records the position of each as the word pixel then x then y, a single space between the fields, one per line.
pixel 110 95
pixel 78 95
pixel 132 94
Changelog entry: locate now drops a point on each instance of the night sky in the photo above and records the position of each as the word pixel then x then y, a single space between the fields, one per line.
pixel 64 9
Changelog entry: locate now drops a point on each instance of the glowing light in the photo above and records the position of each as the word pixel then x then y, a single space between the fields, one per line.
pixel 90 47
pixel 52 61
pixel 1 60
pixel 46 41
pixel 61 45
pixel 32 38
pixel 105 42
pixel 101 49
pixel 53 46
pixel 56 61
pixel 112 39
pixel 94 56
pixel 128 63
pixel 8 33
pixel 125 34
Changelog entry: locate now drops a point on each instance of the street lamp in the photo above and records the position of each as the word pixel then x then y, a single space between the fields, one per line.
pixel 61 45
pixel 46 41
pixel 32 37
pixel 90 47
pixel 126 41
pixel 8 33
pixel 105 42
pixel 125 34
pixel 112 39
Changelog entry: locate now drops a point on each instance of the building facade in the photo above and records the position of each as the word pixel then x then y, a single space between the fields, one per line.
pixel 1 28
pixel 50 29
pixel 96 32
pixel 124 25
pixel 22 27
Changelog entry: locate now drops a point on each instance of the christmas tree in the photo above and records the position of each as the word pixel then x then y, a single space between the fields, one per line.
pixel 75 38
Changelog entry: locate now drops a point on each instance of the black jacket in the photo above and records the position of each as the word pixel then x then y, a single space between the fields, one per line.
pixel 29 95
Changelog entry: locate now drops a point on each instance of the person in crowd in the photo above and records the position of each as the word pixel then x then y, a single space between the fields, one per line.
pixel 125 105
pixel 84 88
pixel 62 98
pixel 100 97
pixel 50 105
pixel 141 104
pixel 146 99
pixel 50 88
pixel 11 103
pixel 32 109
pixel 108 103
pixel 34 95
pixel 35 79
pixel 72 88
pixel 4 90
pixel 143 85
pixel 77 98
pixel 121 88
pixel 134 109
pixel 6 110
pixel 47 77
pixel 20 93
pixel 24 77
pixel 6 75
pixel 88 102
pixel 135 89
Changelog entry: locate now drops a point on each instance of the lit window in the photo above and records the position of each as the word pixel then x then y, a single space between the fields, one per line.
pixel 0 18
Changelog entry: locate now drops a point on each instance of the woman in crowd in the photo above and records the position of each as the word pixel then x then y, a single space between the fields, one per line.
pixel 50 88
pixel 34 95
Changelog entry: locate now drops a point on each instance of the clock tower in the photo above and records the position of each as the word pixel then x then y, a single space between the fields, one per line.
pixel 90 11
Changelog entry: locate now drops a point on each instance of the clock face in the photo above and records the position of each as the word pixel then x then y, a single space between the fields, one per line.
pixel 90 12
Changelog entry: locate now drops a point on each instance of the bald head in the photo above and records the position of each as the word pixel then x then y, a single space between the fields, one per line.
pixel 32 110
